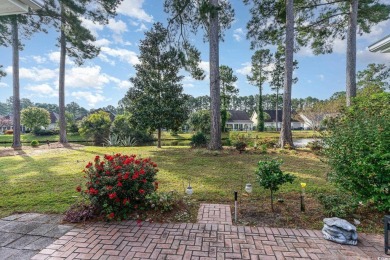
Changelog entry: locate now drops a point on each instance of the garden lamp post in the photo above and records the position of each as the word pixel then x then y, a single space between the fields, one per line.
pixel 387 233
pixel 189 189
pixel 303 185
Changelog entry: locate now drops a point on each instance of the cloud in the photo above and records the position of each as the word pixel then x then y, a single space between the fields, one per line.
pixel 86 77
pixel 91 98
pixel 39 59
pixel 378 31
pixel 321 76
pixel 54 56
pixel 133 8
pixel 43 90
pixel 238 34
pixel 188 85
pixel 118 27
pixel 309 81
pixel 102 42
pixel 142 28
pixel 3 85
pixel 246 69
pixel 122 54
pixel 35 74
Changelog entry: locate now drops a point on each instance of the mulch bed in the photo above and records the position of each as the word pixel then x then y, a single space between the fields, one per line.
pixel 28 150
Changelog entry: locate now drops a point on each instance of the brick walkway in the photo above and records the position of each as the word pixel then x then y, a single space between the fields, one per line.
pixel 127 240
pixel 214 214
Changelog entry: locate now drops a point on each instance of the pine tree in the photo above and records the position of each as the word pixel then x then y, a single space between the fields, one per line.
pixel 213 16
pixel 228 90
pixel 261 60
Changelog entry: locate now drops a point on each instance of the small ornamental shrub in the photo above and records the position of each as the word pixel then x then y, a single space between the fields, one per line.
pixel 80 212
pixel 315 145
pixel 340 205
pixel 118 184
pixel 270 142
pixel 240 146
pixel 9 132
pixel 163 201
pixel 199 140
pixel 34 143
pixel 270 176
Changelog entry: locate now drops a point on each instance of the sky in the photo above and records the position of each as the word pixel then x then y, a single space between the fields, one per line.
pixel 104 80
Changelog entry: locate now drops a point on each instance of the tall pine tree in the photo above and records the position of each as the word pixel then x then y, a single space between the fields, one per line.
pixel 261 59
pixel 228 90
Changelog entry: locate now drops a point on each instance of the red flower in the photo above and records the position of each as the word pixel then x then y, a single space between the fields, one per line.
pixel 120 184
pixel 111 215
pixel 144 180
pixel 118 168
pixel 93 191
pixel 97 157
pixel 88 165
pixel 126 176
pixel 141 191
pixel 112 195
pixel 78 189
pixel 135 176
pixel 142 171
pixel 126 201
pixel 137 162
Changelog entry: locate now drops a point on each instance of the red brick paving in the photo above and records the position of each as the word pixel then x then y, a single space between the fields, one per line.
pixel 201 241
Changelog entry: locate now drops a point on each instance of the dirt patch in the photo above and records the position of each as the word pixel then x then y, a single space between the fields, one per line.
pixel 46 148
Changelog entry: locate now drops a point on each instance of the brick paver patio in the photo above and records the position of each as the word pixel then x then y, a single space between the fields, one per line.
pixel 127 240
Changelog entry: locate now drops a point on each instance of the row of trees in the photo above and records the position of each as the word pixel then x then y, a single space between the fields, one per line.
pixel 75 41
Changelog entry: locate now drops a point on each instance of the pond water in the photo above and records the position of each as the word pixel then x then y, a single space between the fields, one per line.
pixel 302 142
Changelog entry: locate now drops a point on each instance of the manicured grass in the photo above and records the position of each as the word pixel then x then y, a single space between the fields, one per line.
pixel 252 134
pixel 46 182
pixel 29 137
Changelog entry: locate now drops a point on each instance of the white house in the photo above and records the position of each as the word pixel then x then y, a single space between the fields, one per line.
pixel 54 118
pixel 10 7
pixel 239 121
pixel 271 121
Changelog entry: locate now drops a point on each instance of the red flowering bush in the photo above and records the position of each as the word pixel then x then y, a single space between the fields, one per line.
pixel 118 184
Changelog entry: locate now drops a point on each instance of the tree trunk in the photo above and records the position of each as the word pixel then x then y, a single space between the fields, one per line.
pixel 215 138
pixel 15 73
pixel 159 138
pixel 277 109
pixel 260 111
pixel 351 52
pixel 285 132
pixel 61 83
pixel 272 201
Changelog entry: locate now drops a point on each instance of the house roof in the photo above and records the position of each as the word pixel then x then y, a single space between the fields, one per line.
pixel 383 45
pixel 54 117
pixel 237 115
pixel 272 114
pixel 10 7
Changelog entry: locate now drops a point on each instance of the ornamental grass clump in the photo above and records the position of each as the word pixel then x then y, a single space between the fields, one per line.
pixel 118 184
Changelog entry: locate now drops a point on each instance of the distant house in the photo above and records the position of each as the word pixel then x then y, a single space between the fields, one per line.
pixel 239 121
pixel 54 118
pixel 9 125
pixel 383 45
pixel 271 121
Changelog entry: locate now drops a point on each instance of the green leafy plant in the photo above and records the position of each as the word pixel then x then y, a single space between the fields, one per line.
pixel 199 140
pixel 270 176
pixel 357 149
pixel 338 205
pixel 113 140
pixel 315 145
pixel 34 143
pixel 97 126
pixel 240 146
pixel 163 201
pixel 129 141
pixel 118 184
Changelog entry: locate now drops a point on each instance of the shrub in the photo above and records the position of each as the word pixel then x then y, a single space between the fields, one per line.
pixel 9 132
pixel 96 125
pixel 80 212
pixel 240 146
pixel 163 201
pixel 269 142
pixel 199 140
pixel 338 205
pixel 118 184
pixel 270 176
pixel 34 143
pixel 45 132
pixel 113 140
pixel 315 145
pixel 357 149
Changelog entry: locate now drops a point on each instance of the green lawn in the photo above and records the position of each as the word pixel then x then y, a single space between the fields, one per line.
pixel 46 182
pixel 29 137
